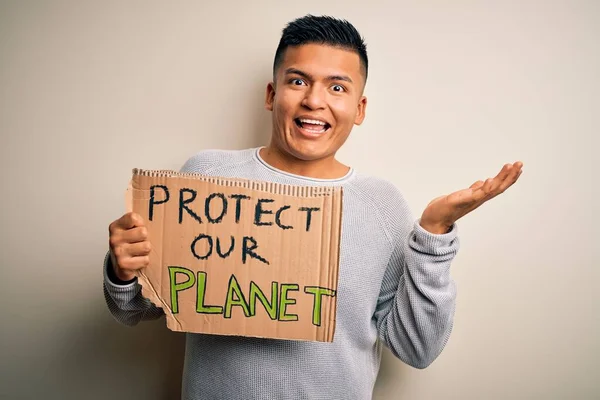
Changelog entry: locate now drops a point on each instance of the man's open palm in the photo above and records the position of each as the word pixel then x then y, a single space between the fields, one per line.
pixel 443 211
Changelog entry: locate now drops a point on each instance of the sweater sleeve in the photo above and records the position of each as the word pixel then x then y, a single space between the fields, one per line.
pixel 416 304
pixel 125 301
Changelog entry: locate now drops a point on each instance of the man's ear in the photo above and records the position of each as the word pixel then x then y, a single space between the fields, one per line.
pixel 361 110
pixel 270 96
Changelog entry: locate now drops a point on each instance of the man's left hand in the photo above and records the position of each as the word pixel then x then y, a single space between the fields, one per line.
pixel 442 212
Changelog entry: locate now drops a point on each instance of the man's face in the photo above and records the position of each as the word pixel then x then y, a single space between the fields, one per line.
pixel 316 99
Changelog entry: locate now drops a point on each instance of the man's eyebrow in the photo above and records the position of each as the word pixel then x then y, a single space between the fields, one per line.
pixel 339 78
pixel 295 71
pixel 309 77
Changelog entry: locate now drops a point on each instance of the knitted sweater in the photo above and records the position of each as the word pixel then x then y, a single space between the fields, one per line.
pixel 394 288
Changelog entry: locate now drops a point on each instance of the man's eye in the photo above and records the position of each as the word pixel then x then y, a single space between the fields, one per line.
pixel 338 88
pixel 297 82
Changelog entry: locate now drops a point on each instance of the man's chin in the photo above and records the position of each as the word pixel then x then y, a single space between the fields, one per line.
pixel 304 151
pixel 308 154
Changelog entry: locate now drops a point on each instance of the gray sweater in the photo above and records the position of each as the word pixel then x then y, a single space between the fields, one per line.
pixel 394 288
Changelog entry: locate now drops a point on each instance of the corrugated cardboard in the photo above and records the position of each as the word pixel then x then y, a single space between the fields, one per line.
pixel 240 257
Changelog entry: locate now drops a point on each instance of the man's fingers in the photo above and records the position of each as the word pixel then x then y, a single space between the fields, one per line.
pixel 487 187
pixel 138 249
pixel 129 243
pixel 482 191
pixel 130 220
pixel 135 235
pixel 506 177
pixel 467 200
pixel 499 180
pixel 133 262
pixel 511 179
pixel 476 185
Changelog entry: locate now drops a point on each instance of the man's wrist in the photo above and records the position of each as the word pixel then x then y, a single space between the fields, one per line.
pixel 115 278
pixel 436 229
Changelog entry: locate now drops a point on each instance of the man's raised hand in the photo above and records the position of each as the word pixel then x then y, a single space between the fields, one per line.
pixel 443 211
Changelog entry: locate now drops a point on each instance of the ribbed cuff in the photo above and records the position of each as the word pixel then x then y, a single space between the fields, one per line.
pixel 432 243
pixel 111 279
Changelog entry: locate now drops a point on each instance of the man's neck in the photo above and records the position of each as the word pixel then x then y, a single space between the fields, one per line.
pixel 328 168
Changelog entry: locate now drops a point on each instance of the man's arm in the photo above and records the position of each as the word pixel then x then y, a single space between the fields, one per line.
pixel 416 304
pixel 124 298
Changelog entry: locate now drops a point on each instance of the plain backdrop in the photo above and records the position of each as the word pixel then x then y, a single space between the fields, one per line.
pixel 90 90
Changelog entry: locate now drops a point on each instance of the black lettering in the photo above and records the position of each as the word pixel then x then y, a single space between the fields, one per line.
pixel 210 246
pixel 249 251
pixel 309 211
pixel 153 201
pixel 220 253
pixel 183 202
pixel 259 211
pixel 223 210
pixel 278 218
pixel 238 206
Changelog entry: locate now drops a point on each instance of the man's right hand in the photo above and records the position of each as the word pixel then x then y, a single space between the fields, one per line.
pixel 129 245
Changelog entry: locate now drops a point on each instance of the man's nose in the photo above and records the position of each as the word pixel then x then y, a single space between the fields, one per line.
pixel 314 98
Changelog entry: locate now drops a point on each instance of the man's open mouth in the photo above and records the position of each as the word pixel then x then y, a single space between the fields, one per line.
pixel 312 125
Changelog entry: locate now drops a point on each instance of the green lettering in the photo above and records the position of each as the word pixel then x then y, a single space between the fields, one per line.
pixel 178 287
pixel 284 302
pixel 318 292
pixel 234 288
pixel 200 307
pixel 270 307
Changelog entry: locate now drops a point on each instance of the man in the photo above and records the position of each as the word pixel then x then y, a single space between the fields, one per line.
pixel 394 283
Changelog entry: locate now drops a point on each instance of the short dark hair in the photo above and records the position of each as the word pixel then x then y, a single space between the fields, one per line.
pixel 326 30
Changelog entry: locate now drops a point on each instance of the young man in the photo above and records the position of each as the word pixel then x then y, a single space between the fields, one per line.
pixel 394 283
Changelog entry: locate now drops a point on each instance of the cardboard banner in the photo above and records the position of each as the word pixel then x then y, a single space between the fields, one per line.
pixel 240 257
